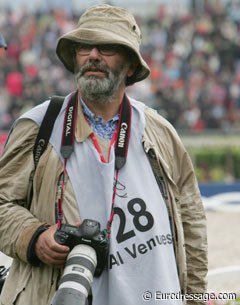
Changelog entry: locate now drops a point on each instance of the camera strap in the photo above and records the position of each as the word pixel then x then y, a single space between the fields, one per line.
pixel 122 136
pixel 67 148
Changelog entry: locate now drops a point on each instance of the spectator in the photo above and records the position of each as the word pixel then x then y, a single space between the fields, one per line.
pixel 186 54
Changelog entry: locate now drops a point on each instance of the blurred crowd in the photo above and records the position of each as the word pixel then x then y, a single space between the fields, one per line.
pixel 194 58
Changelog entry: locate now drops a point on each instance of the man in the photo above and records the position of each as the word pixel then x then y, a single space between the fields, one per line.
pixel 110 159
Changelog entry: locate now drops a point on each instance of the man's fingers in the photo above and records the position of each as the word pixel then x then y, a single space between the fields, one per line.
pixel 48 250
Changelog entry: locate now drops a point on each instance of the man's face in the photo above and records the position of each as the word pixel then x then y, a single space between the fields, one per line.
pixel 101 72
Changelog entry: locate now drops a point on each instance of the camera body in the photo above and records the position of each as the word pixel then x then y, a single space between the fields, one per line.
pixel 89 234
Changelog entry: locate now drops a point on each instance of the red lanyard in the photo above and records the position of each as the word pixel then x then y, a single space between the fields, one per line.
pixel 98 148
pixel 110 220
pixel 95 142
pixel 121 138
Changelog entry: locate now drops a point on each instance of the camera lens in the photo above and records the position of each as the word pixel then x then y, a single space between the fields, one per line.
pixel 77 277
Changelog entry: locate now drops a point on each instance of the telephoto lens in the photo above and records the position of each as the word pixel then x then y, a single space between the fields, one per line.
pixel 77 277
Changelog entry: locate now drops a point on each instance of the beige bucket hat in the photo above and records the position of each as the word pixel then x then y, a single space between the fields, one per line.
pixel 104 24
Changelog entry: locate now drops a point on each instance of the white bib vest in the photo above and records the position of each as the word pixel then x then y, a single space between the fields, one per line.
pixel 141 256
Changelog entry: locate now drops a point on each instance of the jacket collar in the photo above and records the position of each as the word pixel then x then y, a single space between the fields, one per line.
pixel 83 129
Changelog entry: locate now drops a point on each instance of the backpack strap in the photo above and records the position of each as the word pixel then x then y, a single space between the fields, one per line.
pixel 44 133
pixel 46 127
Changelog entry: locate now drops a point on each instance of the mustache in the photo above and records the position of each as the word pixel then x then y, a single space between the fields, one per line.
pixel 93 66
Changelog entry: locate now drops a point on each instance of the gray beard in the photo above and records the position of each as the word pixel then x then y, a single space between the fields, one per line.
pixel 100 90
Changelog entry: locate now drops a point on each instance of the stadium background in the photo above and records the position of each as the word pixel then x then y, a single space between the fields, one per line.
pixel 192 47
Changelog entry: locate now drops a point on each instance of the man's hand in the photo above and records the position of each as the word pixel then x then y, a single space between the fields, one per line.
pixel 49 251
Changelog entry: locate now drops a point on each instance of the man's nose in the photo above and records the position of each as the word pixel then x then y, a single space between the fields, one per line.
pixel 94 53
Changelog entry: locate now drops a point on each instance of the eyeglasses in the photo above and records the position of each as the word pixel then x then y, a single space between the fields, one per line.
pixel 103 49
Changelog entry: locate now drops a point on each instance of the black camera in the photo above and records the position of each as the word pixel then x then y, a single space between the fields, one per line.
pixel 88 233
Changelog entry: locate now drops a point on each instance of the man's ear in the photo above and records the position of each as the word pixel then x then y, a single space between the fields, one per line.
pixel 132 68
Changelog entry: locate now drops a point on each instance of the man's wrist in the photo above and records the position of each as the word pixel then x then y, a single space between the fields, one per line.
pixel 32 257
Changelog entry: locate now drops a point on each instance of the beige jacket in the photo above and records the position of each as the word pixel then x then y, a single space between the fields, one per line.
pixel 27 285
